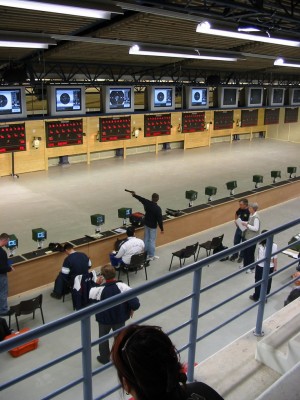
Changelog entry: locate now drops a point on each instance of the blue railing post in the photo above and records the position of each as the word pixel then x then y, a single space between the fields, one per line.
pixel 86 358
pixel 194 323
pixel 263 288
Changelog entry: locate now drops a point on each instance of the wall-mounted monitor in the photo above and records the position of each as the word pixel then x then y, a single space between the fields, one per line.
pixel 228 97
pixel 12 102
pixel 66 100
pixel 276 97
pixel 195 97
pixel 294 96
pixel 254 96
pixel 160 98
pixel 116 99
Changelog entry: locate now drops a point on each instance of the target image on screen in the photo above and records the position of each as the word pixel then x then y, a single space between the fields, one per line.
pixel 199 97
pixel 163 97
pixel 68 99
pixel 10 102
pixel 256 96
pixel 120 98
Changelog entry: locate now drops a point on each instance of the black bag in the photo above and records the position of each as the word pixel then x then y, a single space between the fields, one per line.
pixel 220 248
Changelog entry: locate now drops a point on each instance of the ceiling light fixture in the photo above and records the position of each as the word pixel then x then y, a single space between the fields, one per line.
pixel 248 28
pixel 194 54
pixel 90 12
pixel 205 27
pixel 282 63
pixel 23 45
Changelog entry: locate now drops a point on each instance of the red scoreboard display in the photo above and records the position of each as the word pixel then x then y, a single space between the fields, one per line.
pixel 193 122
pixel 64 133
pixel 157 125
pixel 115 128
pixel 12 138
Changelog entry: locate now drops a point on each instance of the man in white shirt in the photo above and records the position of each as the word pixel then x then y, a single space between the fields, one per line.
pixel 131 246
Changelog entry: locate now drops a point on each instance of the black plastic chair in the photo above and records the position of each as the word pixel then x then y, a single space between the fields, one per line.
pixel 211 244
pixel 185 253
pixel 137 261
pixel 26 307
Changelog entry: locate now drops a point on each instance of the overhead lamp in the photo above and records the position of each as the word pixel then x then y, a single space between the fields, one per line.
pixel 282 63
pixel 23 45
pixel 205 27
pixel 90 12
pixel 165 52
pixel 25 40
pixel 248 28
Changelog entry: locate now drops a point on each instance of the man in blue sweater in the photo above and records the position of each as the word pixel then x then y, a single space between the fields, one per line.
pixel 153 217
pixel 115 317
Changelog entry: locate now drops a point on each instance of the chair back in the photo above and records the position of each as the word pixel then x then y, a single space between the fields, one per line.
pixel 28 306
pixel 137 260
pixel 216 241
pixel 190 250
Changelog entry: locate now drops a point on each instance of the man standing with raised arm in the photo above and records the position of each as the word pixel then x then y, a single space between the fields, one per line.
pixel 153 217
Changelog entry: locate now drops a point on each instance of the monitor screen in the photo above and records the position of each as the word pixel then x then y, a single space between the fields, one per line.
pixel 227 97
pixel 276 96
pixel 117 99
pixel 12 243
pixel 12 103
pixel 294 96
pixel 195 97
pixel 41 235
pixel 66 100
pixel 161 98
pixel 256 96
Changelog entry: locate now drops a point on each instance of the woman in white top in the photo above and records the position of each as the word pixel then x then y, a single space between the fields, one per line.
pixel 260 267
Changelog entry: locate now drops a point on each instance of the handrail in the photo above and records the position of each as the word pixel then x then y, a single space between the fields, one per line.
pixel 84 316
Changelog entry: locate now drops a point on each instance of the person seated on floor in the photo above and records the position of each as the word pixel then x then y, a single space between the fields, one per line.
pixel 148 366
pixel 128 248
pixel 76 263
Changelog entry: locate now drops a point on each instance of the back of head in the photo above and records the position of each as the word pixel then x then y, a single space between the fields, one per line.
pixel 147 360
pixel 130 231
pixel 254 206
pixel 68 246
pixel 294 294
pixel 264 241
pixel 155 197
pixel 108 271
pixel 4 236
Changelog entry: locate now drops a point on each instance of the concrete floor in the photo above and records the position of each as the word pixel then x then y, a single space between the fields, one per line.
pixel 62 199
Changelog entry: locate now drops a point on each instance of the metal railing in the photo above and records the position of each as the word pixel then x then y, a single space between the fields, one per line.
pixel 83 317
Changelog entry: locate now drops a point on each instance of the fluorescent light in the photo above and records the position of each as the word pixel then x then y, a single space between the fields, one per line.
pixel 194 54
pixel 281 63
pixel 25 45
pixel 60 8
pixel 204 27
pixel 248 28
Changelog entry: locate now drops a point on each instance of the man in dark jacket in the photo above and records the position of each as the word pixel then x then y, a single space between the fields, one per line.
pixel 76 263
pixel 115 317
pixel 4 268
pixel 153 217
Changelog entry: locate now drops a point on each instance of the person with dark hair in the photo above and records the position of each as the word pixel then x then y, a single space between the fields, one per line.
pixel 76 263
pixel 114 318
pixel 294 294
pixel 260 267
pixel 5 267
pixel 153 218
pixel 243 213
pixel 148 367
pixel 252 230
pixel 128 248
